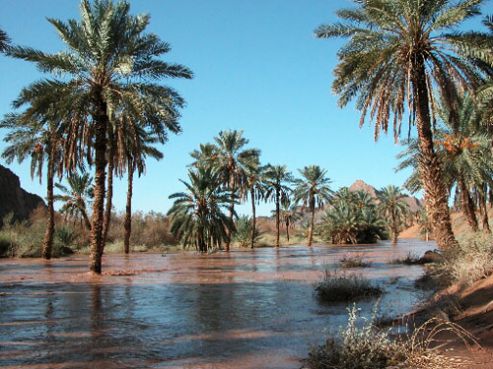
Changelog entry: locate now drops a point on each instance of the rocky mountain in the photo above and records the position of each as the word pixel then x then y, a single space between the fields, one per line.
pixel 14 199
pixel 414 203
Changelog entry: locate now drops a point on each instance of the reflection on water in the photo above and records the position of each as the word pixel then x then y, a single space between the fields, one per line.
pixel 245 309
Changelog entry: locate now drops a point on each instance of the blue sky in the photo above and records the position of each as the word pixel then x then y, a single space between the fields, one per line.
pixel 258 67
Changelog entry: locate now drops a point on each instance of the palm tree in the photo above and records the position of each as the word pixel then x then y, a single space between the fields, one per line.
pixel 276 181
pixel 4 41
pixel 289 214
pixel 313 191
pixel 352 218
pixel 464 150
pixel 37 135
pixel 137 149
pixel 256 192
pixel 76 197
pixel 233 160
pixel 393 209
pixel 398 52
pixel 109 66
pixel 197 215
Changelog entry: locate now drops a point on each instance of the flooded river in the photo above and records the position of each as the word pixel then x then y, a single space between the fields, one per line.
pixel 243 309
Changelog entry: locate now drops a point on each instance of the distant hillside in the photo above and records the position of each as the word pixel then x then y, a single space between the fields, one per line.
pixel 14 199
pixel 414 203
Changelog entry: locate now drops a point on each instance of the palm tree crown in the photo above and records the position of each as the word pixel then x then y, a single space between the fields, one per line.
pixel 197 215
pixel 393 209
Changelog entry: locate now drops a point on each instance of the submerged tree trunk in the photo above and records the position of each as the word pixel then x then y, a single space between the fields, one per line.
pixel 467 205
pixel 128 209
pixel 312 221
pixel 97 240
pixel 287 230
pixel 254 219
pixel 231 213
pixel 50 224
pixel 109 192
pixel 278 230
pixel 436 193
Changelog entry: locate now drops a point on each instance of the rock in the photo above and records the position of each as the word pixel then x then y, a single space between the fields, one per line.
pixel 431 257
pixel 14 199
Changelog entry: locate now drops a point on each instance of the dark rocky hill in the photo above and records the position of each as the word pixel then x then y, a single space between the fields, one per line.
pixel 14 199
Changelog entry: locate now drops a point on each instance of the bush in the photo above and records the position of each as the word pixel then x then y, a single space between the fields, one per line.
pixel 410 259
pixel 464 264
pixel 342 287
pixel 354 261
pixel 243 233
pixel 366 346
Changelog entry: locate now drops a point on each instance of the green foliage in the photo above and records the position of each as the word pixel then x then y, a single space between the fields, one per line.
pixel 4 41
pixel 343 287
pixel 197 215
pixel 76 198
pixel 390 45
pixel 243 232
pixel 393 209
pixel 313 189
pixel 352 218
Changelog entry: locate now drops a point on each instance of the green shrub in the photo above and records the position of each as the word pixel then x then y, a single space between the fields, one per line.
pixel 354 261
pixel 243 233
pixel 342 287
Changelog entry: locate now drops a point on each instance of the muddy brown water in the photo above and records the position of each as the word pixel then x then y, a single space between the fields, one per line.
pixel 243 309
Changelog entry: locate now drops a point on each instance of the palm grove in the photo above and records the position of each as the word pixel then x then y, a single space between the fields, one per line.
pixel 102 107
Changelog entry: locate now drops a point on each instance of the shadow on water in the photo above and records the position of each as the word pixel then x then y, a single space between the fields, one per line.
pixel 181 318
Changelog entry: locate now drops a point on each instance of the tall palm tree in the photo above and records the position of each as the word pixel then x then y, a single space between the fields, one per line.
pixel 37 134
pixel 137 150
pixel 397 53
pixel 197 215
pixel 76 197
pixel 4 41
pixel 464 150
pixel 233 160
pixel 393 209
pixel 289 214
pixel 256 192
pixel 313 192
pixel 276 181
pixel 109 65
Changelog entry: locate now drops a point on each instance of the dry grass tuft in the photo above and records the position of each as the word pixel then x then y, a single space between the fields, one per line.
pixel 354 261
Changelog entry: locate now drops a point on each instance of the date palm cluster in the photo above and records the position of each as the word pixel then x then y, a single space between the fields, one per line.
pixel 100 106
pixel 407 60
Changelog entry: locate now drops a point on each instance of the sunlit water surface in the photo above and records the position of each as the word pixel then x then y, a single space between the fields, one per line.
pixel 243 309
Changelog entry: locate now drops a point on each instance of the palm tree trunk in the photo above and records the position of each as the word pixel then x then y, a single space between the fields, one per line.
pixel 109 192
pixel 394 229
pixel 287 230
pixel 254 218
pixel 231 212
pixel 87 222
pixel 128 209
pixel 278 231
pixel 50 225
pixel 312 222
pixel 484 212
pixel 467 205
pixel 436 193
pixel 101 124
